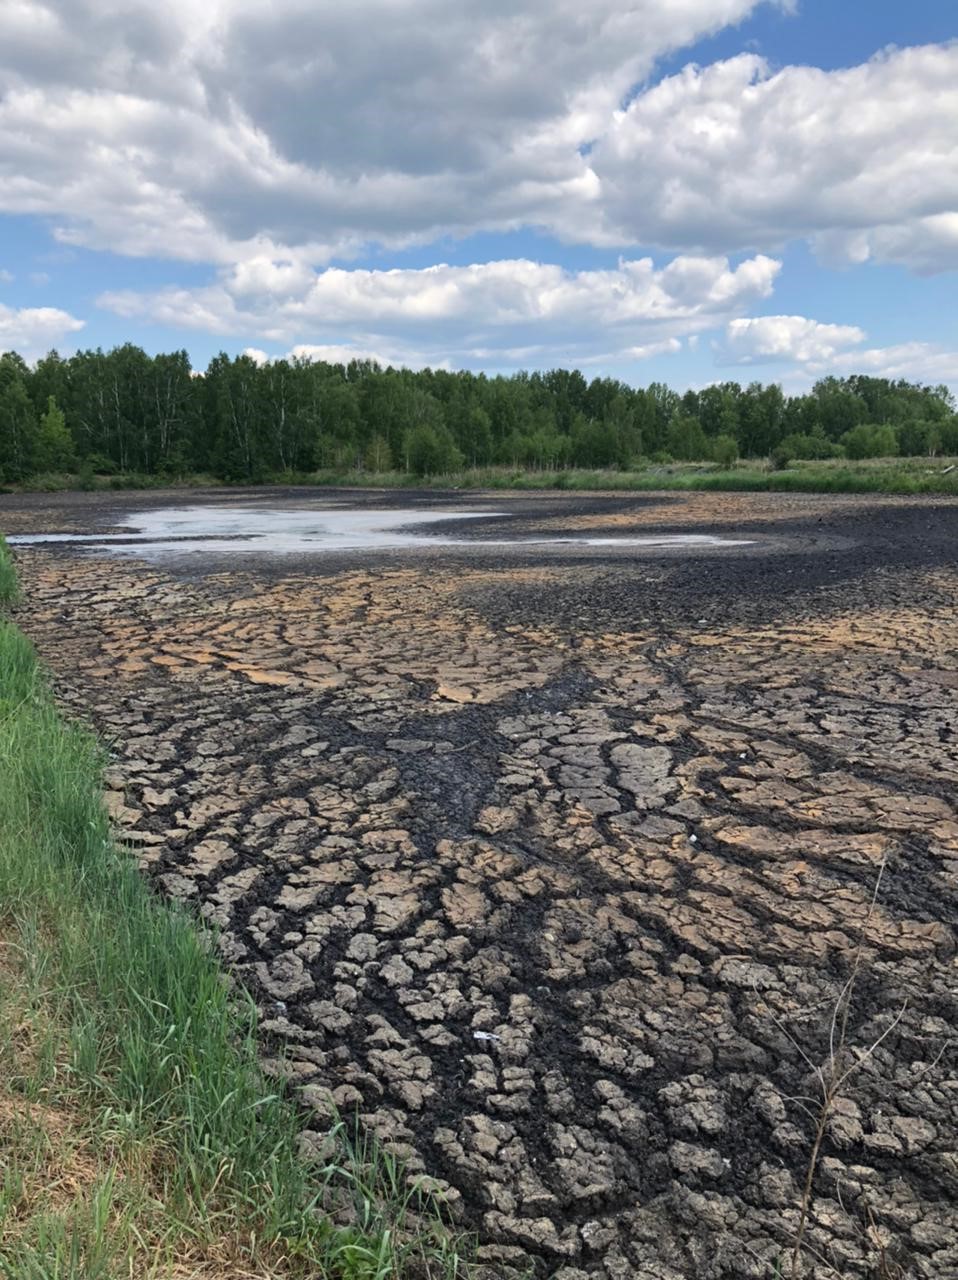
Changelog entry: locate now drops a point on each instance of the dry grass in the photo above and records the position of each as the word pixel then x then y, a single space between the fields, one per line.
pixel 833 1077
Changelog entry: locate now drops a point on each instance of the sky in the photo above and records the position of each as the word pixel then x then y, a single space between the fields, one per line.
pixel 685 191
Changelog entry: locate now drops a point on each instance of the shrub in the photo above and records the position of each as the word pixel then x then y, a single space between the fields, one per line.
pixel 686 439
pixel 431 451
pixel 870 441
pixel 99 464
pixel 812 447
pixel 725 450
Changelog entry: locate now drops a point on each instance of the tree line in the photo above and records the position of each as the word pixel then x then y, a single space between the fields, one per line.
pixel 124 411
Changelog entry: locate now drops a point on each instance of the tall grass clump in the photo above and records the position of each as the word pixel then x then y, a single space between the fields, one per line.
pixel 9 586
pixel 895 476
pixel 890 475
pixel 153 1035
pixel 181 1058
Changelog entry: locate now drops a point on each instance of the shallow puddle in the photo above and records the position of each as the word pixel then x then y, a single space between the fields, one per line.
pixel 274 531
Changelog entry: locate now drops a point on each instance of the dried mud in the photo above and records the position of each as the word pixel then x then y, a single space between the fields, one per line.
pixel 554 864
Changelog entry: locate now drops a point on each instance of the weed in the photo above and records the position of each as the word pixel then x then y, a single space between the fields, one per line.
pixel 833 1074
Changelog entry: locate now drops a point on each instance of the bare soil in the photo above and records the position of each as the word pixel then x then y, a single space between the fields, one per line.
pixel 553 861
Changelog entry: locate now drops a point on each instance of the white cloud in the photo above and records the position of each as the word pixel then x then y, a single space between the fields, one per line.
pixel 481 311
pixel 31 331
pixel 270 139
pixel 338 353
pixel 927 362
pixel 669 347
pixel 240 128
pixel 815 349
pixel 864 161
pixel 925 244
pixel 6 277
pixel 289 133
pixel 538 355
pixel 753 340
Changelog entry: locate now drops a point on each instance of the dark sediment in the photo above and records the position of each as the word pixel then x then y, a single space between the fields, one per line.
pixel 553 862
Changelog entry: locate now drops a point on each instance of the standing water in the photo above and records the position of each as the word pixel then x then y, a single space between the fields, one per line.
pixel 275 531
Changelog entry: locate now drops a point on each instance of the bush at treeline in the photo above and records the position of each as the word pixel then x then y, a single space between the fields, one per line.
pixel 124 411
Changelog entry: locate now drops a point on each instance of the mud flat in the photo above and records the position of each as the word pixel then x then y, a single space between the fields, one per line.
pixel 554 858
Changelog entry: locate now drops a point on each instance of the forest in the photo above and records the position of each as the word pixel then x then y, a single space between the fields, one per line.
pixel 124 412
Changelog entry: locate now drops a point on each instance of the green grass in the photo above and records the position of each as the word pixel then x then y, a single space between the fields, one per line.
pixel 895 475
pixel 879 475
pixel 9 586
pixel 133 1033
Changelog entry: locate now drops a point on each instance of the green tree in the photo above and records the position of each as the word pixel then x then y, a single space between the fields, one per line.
pixel 619 416
pixel 18 421
pixel 724 450
pixel 378 456
pixel 172 409
pixel 917 438
pixel 840 409
pixel 594 444
pixel 686 439
pixel 717 409
pixel 476 438
pixel 760 419
pixel 232 388
pixel 51 377
pixel 870 441
pixel 334 426
pixel 948 436
pixel 127 410
pixel 431 451
pixel 53 449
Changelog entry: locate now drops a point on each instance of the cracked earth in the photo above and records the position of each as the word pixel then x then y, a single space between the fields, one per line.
pixel 553 864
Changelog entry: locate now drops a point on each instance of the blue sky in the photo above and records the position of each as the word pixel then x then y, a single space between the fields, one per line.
pixel 687 191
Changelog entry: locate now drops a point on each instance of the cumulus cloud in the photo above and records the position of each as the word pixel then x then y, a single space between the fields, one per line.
pixel 927 362
pixel 216 133
pixel 272 140
pixel 340 353
pixel 925 244
pixel 668 347
pixel 31 331
pixel 317 129
pixel 863 161
pixel 479 311
pixel 815 349
pixel 753 340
